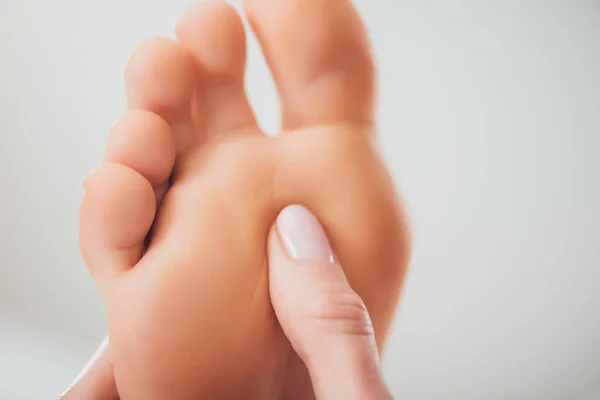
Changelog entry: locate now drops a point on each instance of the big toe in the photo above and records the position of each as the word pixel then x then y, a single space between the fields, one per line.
pixel 319 54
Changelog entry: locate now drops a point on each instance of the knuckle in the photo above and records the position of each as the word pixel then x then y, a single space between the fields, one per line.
pixel 339 311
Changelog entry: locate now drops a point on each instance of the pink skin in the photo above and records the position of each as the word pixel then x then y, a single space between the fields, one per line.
pixel 326 322
pixel 175 222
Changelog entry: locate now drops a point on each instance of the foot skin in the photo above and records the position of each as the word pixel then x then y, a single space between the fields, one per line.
pixel 175 219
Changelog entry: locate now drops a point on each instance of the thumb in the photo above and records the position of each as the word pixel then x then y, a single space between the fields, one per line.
pixel 326 322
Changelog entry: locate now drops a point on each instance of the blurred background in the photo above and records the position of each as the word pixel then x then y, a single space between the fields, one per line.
pixel 490 119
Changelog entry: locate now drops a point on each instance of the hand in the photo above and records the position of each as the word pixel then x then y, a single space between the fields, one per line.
pixel 97 379
pixel 324 319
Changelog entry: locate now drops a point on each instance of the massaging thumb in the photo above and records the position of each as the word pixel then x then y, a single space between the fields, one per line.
pixel 324 319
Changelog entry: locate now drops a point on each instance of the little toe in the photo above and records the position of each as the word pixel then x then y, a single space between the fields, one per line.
pixel 123 193
pixel 213 35
pixel 320 57
pixel 115 217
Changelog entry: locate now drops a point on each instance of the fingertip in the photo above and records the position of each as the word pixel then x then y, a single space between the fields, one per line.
pixel 303 236
pixel 300 256
pixel 275 251
pixel 96 380
pixel 324 319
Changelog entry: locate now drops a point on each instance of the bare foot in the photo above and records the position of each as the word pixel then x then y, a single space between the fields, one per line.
pixel 175 220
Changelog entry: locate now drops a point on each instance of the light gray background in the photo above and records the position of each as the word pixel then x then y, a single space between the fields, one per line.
pixel 490 117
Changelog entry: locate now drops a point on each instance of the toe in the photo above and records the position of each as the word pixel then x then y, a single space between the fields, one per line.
pixel 115 217
pixel 213 35
pixel 142 141
pixel 158 78
pixel 319 55
pixel 122 194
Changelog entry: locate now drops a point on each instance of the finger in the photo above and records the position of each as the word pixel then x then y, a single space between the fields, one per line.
pixel 326 322
pixel 96 381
